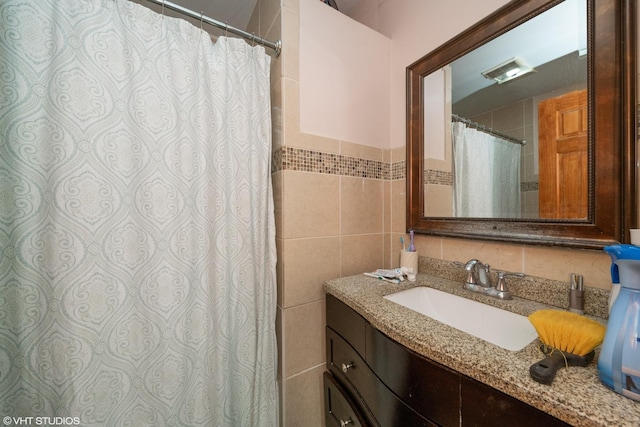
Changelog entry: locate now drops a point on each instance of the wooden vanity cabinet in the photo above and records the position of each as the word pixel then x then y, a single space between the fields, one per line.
pixel 487 407
pixel 374 381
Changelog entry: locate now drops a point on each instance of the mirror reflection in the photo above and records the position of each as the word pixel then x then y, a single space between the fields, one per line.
pixel 512 138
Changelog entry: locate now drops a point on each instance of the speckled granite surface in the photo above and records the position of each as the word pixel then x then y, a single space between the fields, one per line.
pixel 576 395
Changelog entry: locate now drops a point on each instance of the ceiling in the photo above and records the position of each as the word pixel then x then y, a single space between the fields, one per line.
pixel 237 13
pixel 554 34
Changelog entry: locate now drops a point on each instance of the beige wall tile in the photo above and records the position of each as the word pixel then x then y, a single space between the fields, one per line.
pixel 279 342
pixel 273 34
pixel 304 337
pixel 387 156
pixel 315 143
pixel 361 253
pixel 277 119
pixel 509 118
pixel 528 111
pixel 276 182
pixel 438 200
pixel 429 246
pixel 398 206
pixel 501 256
pixel 558 264
pixel 304 399
pixel 308 263
pixel 361 151
pixel 270 17
pixel 291 109
pixel 388 259
pixel 291 4
pixel 311 205
pixel 253 26
pixel 291 44
pixel 531 206
pixel 361 205
pixel 387 202
pixel 398 154
pixel 280 272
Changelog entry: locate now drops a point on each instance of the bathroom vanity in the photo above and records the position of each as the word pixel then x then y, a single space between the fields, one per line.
pixel 390 366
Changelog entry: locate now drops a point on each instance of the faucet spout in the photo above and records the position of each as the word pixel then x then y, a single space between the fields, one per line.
pixel 471 267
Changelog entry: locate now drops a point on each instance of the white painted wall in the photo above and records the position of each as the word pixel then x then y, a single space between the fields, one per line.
pixel 352 79
pixel 344 77
pixel 417 27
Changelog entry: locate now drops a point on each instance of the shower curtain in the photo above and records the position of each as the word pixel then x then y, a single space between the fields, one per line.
pixel 137 238
pixel 486 174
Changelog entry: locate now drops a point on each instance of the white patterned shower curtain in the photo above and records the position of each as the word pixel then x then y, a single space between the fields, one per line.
pixel 486 174
pixel 137 238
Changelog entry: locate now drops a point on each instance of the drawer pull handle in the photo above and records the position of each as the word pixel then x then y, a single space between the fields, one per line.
pixel 346 367
pixel 346 423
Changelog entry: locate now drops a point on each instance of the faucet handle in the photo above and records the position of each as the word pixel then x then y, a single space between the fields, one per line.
pixel 501 287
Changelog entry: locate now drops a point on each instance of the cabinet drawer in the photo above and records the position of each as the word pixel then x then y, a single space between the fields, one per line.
pixel 351 371
pixel 339 410
pixel 429 388
pixel 345 321
pixel 485 406
pixel 371 397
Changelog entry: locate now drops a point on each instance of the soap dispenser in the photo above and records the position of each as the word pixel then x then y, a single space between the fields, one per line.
pixel 619 361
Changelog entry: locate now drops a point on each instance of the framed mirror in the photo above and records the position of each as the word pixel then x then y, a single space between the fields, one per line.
pixel 523 127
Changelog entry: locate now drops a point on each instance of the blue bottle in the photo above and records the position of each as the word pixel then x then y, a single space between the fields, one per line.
pixel 619 361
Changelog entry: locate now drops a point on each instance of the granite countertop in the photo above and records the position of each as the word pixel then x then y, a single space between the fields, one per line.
pixel 576 395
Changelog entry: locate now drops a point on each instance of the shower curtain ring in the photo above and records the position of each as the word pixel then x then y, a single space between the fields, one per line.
pixel 226 29
pixel 163 9
pixel 200 19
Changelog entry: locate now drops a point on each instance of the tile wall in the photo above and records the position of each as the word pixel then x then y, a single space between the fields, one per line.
pixel 340 210
pixel 333 219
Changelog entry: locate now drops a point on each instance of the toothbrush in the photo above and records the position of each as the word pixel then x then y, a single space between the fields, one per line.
pixel 402 241
pixel 412 248
pixel 386 279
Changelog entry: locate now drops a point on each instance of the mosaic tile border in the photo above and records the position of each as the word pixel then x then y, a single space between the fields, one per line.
pixel 437 177
pixel 300 159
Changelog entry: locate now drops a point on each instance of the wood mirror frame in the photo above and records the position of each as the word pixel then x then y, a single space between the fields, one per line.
pixel 612 132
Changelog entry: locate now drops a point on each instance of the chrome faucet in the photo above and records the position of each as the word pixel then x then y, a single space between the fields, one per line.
pixel 478 274
pixel 479 279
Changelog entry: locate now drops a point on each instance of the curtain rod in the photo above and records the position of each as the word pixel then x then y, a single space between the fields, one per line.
pixel 276 46
pixel 485 129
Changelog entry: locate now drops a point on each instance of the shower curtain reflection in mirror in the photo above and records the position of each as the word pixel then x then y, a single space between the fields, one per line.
pixel 137 237
pixel 486 179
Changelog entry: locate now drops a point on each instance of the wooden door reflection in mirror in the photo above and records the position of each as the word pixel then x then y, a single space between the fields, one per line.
pixel 564 156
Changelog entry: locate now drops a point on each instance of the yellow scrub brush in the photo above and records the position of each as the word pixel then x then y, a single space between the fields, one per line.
pixel 568 339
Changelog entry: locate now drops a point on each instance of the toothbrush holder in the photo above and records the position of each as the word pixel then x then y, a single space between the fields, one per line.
pixel 409 261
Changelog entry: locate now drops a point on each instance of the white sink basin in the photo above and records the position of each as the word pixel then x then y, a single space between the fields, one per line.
pixel 500 327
